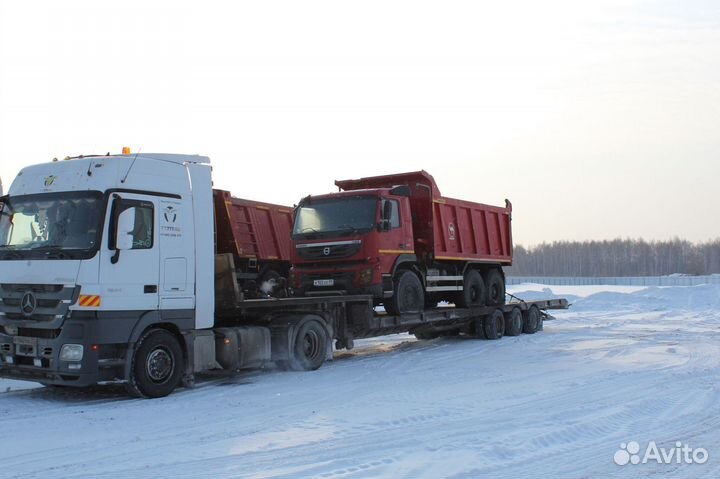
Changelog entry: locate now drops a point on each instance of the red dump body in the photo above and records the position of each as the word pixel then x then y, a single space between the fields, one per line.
pixel 251 230
pixel 447 229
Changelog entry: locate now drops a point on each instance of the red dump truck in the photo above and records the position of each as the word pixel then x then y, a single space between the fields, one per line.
pixel 396 237
pixel 257 235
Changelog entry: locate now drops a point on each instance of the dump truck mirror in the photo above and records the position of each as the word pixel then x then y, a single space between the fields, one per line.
pixel 387 210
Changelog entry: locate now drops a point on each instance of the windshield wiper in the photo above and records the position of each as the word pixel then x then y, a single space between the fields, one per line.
pixel 309 232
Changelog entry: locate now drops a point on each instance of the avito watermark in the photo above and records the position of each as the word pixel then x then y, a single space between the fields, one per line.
pixel 629 453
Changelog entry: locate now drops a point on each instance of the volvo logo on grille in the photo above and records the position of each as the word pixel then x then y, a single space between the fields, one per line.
pixel 28 303
pixel 326 250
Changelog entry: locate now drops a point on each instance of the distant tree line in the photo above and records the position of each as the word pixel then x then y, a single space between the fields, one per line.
pixel 618 257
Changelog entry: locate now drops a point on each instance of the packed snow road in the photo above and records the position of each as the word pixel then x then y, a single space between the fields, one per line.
pixel 624 365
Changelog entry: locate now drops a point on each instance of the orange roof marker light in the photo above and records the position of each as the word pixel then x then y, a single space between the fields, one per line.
pixel 126 150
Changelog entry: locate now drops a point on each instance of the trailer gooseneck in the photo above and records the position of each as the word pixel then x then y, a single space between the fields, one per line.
pixel 110 275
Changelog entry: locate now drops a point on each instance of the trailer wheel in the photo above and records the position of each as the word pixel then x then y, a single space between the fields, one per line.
pixel 309 347
pixel 473 293
pixel 478 329
pixel 409 296
pixel 495 288
pixel 514 322
pixel 494 325
pixel 530 320
pixel 157 365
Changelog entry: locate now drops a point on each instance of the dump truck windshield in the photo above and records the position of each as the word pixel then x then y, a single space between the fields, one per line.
pixel 42 224
pixel 341 216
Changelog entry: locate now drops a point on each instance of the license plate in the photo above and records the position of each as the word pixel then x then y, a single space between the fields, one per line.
pixel 323 282
pixel 25 346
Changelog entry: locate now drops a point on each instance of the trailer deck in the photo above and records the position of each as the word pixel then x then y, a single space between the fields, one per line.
pixel 354 317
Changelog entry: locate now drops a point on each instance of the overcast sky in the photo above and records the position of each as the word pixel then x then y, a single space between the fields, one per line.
pixel 597 119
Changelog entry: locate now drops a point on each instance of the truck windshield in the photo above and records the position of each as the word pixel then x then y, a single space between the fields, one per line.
pixel 60 225
pixel 341 216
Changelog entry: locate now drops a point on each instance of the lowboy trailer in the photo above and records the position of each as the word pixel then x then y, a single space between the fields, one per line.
pixel 108 275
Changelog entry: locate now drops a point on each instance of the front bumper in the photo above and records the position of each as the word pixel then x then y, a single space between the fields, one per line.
pixel 343 282
pixel 28 357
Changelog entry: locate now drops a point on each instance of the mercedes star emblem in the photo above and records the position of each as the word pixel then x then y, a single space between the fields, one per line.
pixel 28 303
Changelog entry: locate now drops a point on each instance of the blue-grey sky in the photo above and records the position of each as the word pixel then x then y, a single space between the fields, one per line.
pixel 597 119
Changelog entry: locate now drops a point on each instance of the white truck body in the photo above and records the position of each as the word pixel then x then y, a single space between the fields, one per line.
pixel 168 279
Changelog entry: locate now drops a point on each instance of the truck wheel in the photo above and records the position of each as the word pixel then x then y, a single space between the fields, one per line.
pixel 310 347
pixel 494 325
pixel 530 320
pixel 157 365
pixel 473 293
pixel 495 288
pixel 409 296
pixel 514 322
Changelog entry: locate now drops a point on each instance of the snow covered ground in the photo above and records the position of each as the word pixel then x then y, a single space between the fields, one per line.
pixel 623 364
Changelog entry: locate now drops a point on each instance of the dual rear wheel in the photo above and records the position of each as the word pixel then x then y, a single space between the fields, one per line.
pixel 409 295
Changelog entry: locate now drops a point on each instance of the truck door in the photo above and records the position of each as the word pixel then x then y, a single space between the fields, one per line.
pixel 130 278
pixel 177 268
pixel 396 238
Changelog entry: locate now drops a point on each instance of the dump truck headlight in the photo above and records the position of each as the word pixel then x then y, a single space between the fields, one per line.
pixel 366 276
pixel 71 352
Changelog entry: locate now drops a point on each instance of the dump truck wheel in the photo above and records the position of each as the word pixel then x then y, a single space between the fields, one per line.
pixel 157 365
pixel 473 293
pixel 530 320
pixel 494 325
pixel 495 288
pixel 409 296
pixel 310 347
pixel 514 322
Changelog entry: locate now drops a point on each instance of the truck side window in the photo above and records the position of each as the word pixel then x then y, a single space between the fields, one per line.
pixel 143 232
pixel 395 213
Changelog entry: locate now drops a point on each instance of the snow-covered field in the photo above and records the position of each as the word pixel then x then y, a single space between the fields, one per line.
pixel 623 364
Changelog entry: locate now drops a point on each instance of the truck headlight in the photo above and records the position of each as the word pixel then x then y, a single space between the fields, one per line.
pixel 366 276
pixel 71 352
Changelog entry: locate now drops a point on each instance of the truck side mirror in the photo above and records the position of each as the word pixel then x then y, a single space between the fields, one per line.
pixel 125 227
pixel 387 211
pixel 384 224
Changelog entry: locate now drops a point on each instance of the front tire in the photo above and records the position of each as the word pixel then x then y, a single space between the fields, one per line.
pixel 408 297
pixel 157 365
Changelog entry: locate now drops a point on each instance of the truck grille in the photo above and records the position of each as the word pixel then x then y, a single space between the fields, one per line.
pixel 329 251
pixel 36 302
